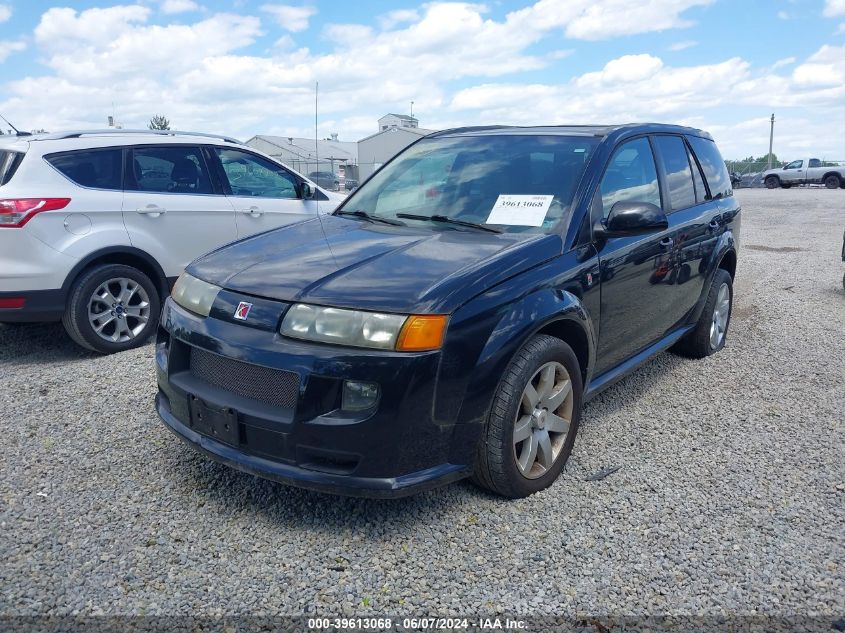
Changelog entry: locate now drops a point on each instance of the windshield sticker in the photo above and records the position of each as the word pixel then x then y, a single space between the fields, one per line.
pixel 520 210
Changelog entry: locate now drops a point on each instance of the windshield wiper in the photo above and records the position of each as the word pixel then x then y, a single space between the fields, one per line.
pixel 447 220
pixel 372 218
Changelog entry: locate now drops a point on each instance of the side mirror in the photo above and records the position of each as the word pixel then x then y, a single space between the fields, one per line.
pixel 632 218
pixel 307 190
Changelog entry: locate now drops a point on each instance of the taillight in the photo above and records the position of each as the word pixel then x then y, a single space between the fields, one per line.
pixel 17 212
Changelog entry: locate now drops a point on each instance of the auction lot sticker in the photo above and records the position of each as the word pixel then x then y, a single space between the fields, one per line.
pixel 520 210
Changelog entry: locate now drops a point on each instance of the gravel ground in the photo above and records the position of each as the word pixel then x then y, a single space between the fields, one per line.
pixel 730 497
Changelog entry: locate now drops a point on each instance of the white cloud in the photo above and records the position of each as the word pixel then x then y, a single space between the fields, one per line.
pixel 7 48
pixel 681 46
pixel 289 17
pixel 202 76
pixel 398 16
pixel 833 8
pixel 5 13
pixel 171 7
pixel 786 61
pixel 604 19
pixel 783 15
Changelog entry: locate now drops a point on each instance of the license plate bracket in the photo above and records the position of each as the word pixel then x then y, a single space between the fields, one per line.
pixel 218 423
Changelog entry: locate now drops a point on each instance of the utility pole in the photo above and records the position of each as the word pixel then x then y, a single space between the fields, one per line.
pixel 316 135
pixel 771 138
pixel 412 108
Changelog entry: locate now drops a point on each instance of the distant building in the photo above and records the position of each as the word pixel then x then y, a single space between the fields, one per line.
pixel 340 157
pixel 377 149
pixel 397 120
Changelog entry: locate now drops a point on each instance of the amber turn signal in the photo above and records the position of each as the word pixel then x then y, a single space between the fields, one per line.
pixel 422 333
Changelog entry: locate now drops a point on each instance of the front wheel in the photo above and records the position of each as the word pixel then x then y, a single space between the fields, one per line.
pixel 832 182
pixel 112 308
pixel 534 419
pixel 772 182
pixel 709 334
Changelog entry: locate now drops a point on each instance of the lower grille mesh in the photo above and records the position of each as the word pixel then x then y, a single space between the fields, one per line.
pixel 276 387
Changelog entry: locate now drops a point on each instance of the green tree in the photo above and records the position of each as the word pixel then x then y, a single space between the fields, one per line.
pixel 159 122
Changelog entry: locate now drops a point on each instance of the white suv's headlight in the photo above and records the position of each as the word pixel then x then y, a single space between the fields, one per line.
pixel 364 329
pixel 194 294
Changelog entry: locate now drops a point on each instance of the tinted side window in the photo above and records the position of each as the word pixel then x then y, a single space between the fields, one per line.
pixel 673 157
pixel 630 176
pixel 814 162
pixel 98 169
pixel 251 175
pixel 700 189
pixel 715 170
pixel 9 162
pixel 171 169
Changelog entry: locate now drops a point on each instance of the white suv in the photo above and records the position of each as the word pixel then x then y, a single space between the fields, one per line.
pixel 96 226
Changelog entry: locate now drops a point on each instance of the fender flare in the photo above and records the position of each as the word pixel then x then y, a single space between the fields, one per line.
pixel 523 319
pixel 110 251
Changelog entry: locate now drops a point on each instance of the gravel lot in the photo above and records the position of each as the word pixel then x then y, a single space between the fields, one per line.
pixel 730 498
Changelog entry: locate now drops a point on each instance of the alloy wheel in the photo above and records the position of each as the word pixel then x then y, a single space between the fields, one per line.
pixel 721 313
pixel 119 310
pixel 542 420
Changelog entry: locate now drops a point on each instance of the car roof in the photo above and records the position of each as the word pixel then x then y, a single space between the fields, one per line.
pixel 572 130
pixel 119 136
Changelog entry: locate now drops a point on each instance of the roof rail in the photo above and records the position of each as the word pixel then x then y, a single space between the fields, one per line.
pixel 117 132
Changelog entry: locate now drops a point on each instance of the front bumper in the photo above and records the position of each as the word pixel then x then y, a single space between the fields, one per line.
pixel 303 438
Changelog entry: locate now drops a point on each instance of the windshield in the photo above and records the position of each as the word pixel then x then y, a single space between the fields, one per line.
pixel 514 183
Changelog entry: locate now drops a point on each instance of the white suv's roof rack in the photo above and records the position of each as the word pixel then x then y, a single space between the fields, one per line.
pixel 119 132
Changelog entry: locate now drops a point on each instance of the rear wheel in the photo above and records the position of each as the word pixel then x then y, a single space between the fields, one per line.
pixel 710 332
pixel 533 421
pixel 772 182
pixel 112 308
pixel 832 181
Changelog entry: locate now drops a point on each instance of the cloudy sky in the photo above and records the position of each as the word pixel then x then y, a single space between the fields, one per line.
pixel 244 67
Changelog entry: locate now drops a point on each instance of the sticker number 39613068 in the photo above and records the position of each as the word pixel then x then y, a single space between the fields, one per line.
pixel 520 210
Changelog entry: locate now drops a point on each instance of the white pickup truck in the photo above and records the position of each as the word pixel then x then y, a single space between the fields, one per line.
pixel 805 171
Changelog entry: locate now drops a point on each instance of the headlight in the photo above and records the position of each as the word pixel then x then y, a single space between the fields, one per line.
pixel 364 329
pixel 194 294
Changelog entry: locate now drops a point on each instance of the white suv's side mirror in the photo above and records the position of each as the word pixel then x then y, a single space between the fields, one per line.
pixel 307 190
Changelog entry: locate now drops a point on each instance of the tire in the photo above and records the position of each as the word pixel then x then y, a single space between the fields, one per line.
pixel 772 182
pixel 122 329
pixel 832 181
pixel 496 466
pixel 701 341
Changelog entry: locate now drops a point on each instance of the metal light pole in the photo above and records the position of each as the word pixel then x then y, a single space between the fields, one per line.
pixel 771 138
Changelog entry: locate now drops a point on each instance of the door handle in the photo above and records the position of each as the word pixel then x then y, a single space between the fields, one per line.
pixel 152 210
pixel 253 211
pixel 667 242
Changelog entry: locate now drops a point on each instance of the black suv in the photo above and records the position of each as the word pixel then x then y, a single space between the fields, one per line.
pixel 451 317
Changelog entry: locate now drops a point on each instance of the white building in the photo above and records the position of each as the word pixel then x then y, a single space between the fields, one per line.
pixel 397 120
pixel 377 149
pixel 306 156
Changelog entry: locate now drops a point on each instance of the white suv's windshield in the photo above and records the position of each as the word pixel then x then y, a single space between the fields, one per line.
pixel 511 183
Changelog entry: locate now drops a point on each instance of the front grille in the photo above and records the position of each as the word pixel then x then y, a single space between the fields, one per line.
pixel 272 386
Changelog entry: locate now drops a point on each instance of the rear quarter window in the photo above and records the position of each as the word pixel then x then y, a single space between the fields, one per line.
pixel 713 165
pixel 96 169
pixel 9 162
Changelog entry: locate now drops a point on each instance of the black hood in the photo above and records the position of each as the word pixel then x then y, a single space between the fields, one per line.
pixel 350 263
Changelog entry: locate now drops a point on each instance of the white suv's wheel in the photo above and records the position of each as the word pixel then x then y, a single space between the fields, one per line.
pixel 112 308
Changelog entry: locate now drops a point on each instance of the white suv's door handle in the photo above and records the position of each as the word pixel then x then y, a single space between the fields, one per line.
pixel 152 210
pixel 253 211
